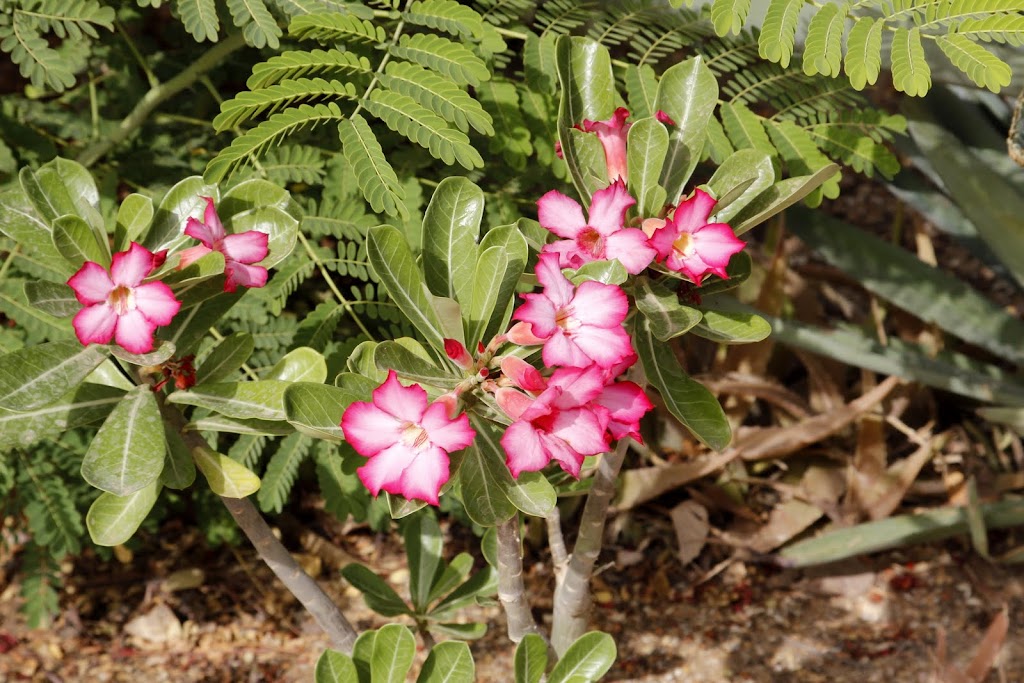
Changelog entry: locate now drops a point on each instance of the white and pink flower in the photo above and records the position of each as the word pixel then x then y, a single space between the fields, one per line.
pixel 406 440
pixel 119 305
pixel 688 244
pixel 603 236
pixel 581 325
pixel 612 134
pixel 240 251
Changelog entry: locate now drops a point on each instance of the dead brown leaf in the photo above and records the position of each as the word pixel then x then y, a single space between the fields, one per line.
pixel 646 483
pixel 690 520
pixel 984 656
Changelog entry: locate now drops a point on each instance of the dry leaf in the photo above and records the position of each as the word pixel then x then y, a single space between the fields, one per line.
pixel 643 484
pixel 158 625
pixel 690 520
pixel 984 657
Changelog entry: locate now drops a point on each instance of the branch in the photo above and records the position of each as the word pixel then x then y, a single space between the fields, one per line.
pixel 511 591
pixel 156 95
pixel 556 542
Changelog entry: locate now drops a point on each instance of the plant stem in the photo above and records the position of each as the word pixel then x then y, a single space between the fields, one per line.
pixel 156 95
pixel 573 602
pixel 273 553
pixel 556 542
pixel 511 591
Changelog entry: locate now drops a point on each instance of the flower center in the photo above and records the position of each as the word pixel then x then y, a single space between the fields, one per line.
pixel 591 241
pixel 122 299
pixel 414 436
pixel 565 320
pixel 683 244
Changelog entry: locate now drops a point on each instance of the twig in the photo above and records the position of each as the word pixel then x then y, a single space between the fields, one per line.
pixel 511 591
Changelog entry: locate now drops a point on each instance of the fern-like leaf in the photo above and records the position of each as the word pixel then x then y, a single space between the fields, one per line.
pixel 269 132
pixel 39 576
pixel 317 328
pixel 335 28
pixel 438 94
pixel 68 18
pixel 446 15
pixel 802 156
pixel 200 18
pixel 910 71
pixel 376 178
pixel 502 101
pixel 1002 28
pixel 455 61
pixel 288 275
pixel 403 115
pixel 340 219
pixel 501 12
pixel 980 65
pixel 294 8
pixel 36 60
pixel 249 104
pixel 562 16
pixel 728 15
pixel 295 64
pixel 864 52
pixel 248 449
pixel 778 34
pixel 745 128
pixel 256 21
pixel 276 483
pixel 641 89
pixel 294 164
pixel 49 508
pixel 823 49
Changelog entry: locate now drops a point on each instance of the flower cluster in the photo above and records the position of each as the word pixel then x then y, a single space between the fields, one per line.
pixel 120 305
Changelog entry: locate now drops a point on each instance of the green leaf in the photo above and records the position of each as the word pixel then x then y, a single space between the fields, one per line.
pixel 76 242
pixel 226 358
pixel 300 365
pixel 744 175
pixel 127 453
pixel 374 174
pixel 423 545
pixel 200 19
pixel 470 631
pixel 444 56
pixel 51 298
pixel 335 667
pixel 531 659
pixel 484 478
pixel 35 376
pixel 910 72
pixel 330 64
pixel 688 93
pixel 728 15
pixel 133 217
pixel 205 267
pixel 83 405
pixel 533 494
pixel 179 471
pixel 501 100
pixel 281 472
pixel 689 400
pixel 249 105
pixel 778 33
pixel 331 27
pixel 666 317
pixel 113 520
pixel 606 272
pixel 20 221
pixel 438 94
pixel 162 350
pixel 744 127
pixel 263 399
pixel 225 476
pixel 494 292
pixel 379 596
pixel 981 66
pixel 823 47
pixel 732 327
pixel 281 228
pixel 586 660
pixel 451 576
pixel 208 304
pixel 396 268
pixel 316 409
pixel 254 193
pixel 451 226
pixel 394 649
pixel 219 423
pixel 400 507
pixel 647 145
pixel 183 201
pixel 446 15
pixel 394 355
pixel 61 187
pixel 779 197
pixel 802 156
pixel 448 662
pixel 482 584
pixel 257 23
pixel 864 51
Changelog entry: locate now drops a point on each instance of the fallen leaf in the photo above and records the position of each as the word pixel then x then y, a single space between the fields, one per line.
pixel 690 520
pixel 158 625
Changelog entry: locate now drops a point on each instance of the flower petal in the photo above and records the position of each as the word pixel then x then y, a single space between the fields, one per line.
pixel 91 283
pixel 524 451
pixel 95 324
pixel 522 374
pixel 582 430
pixel 630 247
pixel 512 401
pixel 608 208
pixel 443 432
pixel 716 243
pixel 694 212
pixel 192 254
pixel 559 451
pixel 560 349
pixel 560 214
pixel 556 287
pixel 579 386
pixel 134 333
pixel 405 403
pixel 606 346
pixel 539 313
pixel 425 475
pixel 202 232
pixel 211 218
pixel 130 267
pixel 384 470
pixel 626 403
pixel 246 247
pixel 157 302
pixel 236 274
pixel 369 429
pixel 600 304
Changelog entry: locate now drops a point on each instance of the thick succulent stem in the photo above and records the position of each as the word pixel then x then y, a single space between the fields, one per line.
pixel 511 591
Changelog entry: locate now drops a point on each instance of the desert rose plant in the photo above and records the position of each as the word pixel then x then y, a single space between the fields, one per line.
pixel 529 369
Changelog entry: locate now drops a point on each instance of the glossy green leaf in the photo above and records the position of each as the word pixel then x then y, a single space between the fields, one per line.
pixel 205 305
pixel 127 453
pixel 20 221
pixel 732 327
pixel 400 507
pixel 738 270
pixel 423 545
pixel 226 358
pixel 484 478
pixel 335 667
pixel 262 400
pixel 448 662
pixel 254 193
pixel 225 476
pixel 394 650
pixel 300 365
pixel 84 405
pixel 470 631
pixel 63 187
pixel 451 576
pixel 35 376
pixel 482 584
pixel 451 226
pixel 133 217
pixel 76 242
pixel 281 228
pixel 179 471
pixel 533 494
pixel 646 148
pixel 607 272
pixel 666 316
pixel 688 93
pixel 182 201
pixel 316 409
pixel 230 425
pixel 744 175
pixel 52 298
pixel 494 290
pixel 379 596
pixel 779 197
pixel 391 355
pixel 395 266
pixel 531 659
pixel 688 400
pixel 162 350
pixel 113 520
pixel 586 660
pixel 206 266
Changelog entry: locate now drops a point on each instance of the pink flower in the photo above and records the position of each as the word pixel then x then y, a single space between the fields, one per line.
pixel 604 236
pixel 687 243
pixel 118 306
pixel 561 424
pixel 580 326
pixel 406 440
pixel 240 251
pixel 612 134
pixel 626 403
